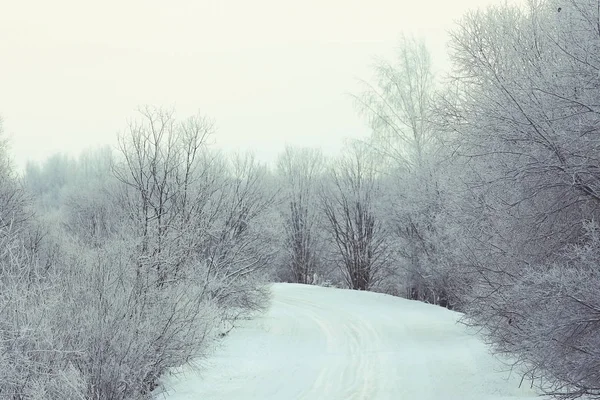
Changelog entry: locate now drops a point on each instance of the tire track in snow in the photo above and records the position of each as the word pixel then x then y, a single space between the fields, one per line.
pixel 349 337
pixel 329 344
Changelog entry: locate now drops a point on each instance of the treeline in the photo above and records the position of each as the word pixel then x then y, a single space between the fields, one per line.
pixel 478 192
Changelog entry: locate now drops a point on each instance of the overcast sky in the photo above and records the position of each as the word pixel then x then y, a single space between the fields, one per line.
pixel 269 72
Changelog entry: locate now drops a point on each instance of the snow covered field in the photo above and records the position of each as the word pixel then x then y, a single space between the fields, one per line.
pixel 331 344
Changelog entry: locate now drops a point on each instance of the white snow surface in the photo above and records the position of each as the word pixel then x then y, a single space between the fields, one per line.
pixel 332 344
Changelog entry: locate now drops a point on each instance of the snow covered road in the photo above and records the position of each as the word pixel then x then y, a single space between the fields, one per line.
pixel 320 343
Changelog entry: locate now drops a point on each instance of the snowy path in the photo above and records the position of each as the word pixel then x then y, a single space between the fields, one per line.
pixel 318 343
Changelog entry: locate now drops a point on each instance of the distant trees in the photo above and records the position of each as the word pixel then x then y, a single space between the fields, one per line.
pixel 12 198
pixel 35 359
pixel 300 171
pixel 91 211
pixel 398 106
pixel 356 232
pixel 400 109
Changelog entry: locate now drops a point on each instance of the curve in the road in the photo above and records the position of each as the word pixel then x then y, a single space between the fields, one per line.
pixel 321 343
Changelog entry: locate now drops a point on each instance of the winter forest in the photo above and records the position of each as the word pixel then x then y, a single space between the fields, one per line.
pixel 478 191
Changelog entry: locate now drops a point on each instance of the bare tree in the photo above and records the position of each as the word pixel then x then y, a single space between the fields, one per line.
pixel 300 170
pixel 160 162
pixel 238 241
pixel 398 105
pixel 12 198
pixel 348 200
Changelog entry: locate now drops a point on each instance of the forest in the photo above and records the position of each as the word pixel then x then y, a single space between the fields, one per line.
pixel 478 191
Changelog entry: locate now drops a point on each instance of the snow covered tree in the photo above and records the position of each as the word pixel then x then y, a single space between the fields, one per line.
pixel 159 167
pixel 236 236
pixel 35 359
pixel 165 245
pixel 12 197
pixel 524 120
pixel 399 107
pixel 357 234
pixel 90 209
pixel 300 170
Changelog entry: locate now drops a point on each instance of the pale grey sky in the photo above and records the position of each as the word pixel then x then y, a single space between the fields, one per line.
pixel 269 72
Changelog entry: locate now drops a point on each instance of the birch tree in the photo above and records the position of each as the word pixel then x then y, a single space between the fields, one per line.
pixel 399 106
